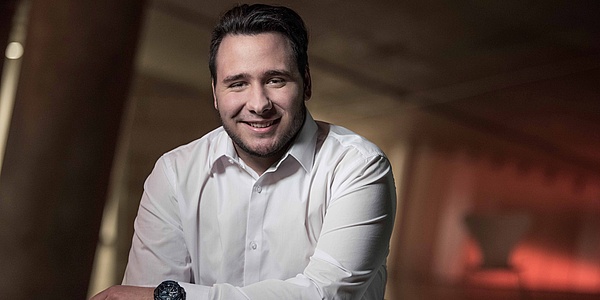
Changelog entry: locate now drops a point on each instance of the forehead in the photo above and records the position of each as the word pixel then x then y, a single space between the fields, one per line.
pixel 245 51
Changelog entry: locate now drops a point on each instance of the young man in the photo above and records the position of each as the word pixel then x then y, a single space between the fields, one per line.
pixel 272 205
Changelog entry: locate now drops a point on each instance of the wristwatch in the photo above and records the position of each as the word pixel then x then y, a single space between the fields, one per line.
pixel 169 290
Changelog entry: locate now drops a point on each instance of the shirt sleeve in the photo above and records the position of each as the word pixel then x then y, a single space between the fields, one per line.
pixel 158 250
pixel 352 247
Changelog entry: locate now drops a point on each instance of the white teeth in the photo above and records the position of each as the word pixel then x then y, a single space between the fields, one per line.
pixel 260 125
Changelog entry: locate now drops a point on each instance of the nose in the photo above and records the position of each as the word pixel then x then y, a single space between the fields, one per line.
pixel 259 102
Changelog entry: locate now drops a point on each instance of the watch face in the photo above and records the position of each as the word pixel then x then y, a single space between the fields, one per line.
pixel 169 290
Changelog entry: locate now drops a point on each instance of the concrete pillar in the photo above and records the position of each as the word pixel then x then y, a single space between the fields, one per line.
pixel 74 81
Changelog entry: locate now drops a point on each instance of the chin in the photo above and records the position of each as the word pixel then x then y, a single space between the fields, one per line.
pixel 265 153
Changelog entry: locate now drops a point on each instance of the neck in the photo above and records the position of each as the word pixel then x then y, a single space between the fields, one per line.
pixel 260 164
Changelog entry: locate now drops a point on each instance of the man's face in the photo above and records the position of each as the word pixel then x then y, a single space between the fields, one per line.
pixel 259 93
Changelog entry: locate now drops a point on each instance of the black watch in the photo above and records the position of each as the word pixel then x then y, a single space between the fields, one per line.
pixel 169 290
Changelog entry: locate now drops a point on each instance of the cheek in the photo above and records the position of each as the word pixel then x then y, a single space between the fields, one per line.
pixel 227 105
pixel 290 100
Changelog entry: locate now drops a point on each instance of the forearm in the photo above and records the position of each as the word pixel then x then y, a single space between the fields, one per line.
pixel 125 292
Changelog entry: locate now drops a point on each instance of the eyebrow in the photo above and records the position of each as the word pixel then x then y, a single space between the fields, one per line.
pixel 283 73
pixel 235 77
pixel 269 73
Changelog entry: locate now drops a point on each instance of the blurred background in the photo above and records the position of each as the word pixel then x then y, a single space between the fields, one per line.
pixel 488 110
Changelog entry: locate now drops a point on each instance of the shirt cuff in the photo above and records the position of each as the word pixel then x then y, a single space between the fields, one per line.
pixel 194 291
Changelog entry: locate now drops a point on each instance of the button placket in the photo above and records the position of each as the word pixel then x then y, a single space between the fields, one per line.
pixel 256 210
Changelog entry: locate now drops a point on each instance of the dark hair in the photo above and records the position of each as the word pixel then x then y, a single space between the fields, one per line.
pixel 260 18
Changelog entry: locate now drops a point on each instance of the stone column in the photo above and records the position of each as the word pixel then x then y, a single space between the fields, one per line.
pixel 74 82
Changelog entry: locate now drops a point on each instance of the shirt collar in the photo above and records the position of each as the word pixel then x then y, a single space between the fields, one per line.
pixel 302 150
pixel 222 149
pixel 304 147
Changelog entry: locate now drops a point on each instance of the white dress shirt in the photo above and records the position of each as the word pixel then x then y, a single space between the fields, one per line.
pixel 316 225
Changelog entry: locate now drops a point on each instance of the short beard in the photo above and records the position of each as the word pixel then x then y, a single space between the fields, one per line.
pixel 282 145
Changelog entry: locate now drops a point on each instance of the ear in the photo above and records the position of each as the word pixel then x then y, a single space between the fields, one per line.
pixel 212 83
pixel 307 84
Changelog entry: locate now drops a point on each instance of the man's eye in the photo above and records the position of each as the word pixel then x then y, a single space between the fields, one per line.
pixel 236 85
pixel 276 82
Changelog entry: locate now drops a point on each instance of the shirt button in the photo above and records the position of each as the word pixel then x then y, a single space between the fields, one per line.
pixel 253 245
pixel 258 189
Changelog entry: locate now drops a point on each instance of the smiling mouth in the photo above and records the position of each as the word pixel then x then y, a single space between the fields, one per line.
pixel 261 124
